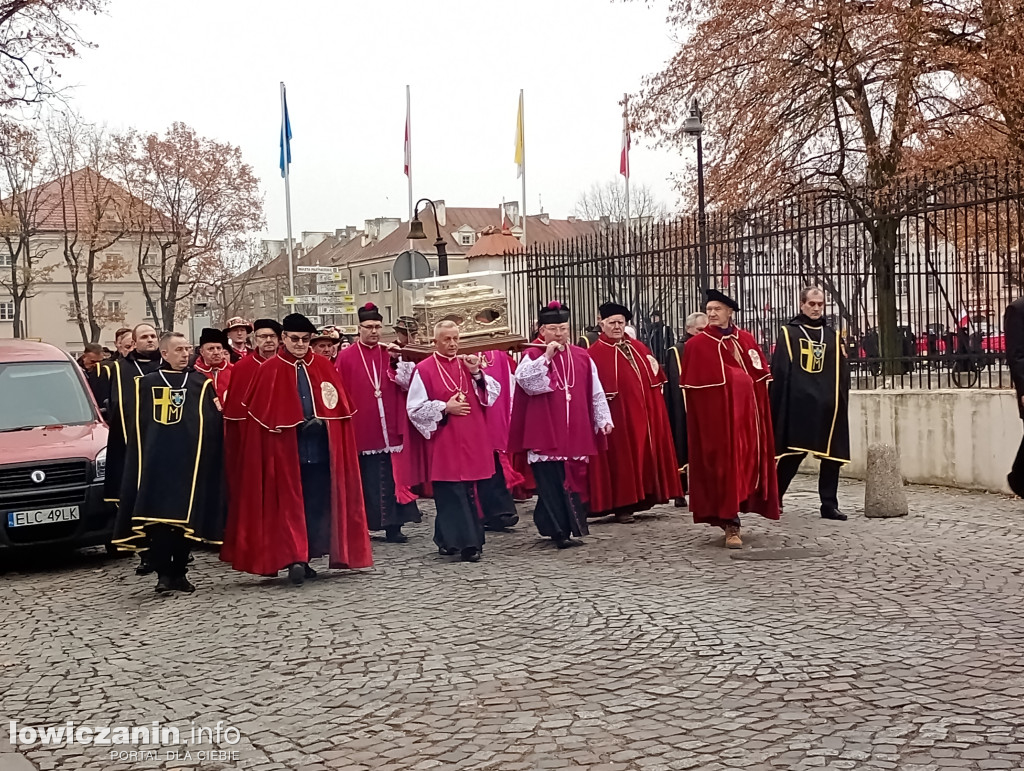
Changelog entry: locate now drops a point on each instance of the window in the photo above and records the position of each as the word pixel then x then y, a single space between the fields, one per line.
pixel 362 283
pixel 151 260
pixel 388 315
pixel 7 310
pixel 114 307
pixel 902 285
pixel 387 280
pixel 933 284
pixel 6 260
pixel 73 311
pixel 466 239
pixel 375 282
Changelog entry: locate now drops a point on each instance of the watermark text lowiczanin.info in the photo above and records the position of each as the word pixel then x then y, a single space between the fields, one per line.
pixel 156 733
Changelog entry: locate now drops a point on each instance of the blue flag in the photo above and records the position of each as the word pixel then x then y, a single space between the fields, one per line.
pixel 286 134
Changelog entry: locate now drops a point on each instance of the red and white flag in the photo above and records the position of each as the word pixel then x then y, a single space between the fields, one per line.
pixel 624 156
pixel 408 135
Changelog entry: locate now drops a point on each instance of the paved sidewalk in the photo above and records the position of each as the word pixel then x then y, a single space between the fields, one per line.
pixel 649 649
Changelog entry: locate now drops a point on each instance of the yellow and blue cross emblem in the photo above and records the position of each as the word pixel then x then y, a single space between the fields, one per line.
pixel 167 404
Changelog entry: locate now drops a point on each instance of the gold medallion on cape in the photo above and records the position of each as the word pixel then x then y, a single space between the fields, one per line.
pixel 329 394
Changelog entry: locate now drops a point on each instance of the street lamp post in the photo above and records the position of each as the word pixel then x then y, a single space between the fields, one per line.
pixel 694 126
pixel 416 232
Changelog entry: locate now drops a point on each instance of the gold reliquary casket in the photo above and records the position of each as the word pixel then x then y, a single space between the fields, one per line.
pixel 471 300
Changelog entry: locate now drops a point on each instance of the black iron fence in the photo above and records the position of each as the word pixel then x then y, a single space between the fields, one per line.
pixel 915 278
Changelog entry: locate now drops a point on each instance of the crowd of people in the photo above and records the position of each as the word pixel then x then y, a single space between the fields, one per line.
pixel 276 443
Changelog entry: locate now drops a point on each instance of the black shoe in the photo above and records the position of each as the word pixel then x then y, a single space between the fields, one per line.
pixel 310 573
pixel 498 524
pixel 182 584
pixel 297 573
pixel 165 584
pixel 568 543
pixel 827 512
pixel 680 503
pixel 1016 484
pixel 446 552
pixel 144 568
pixel 395 535
pixel 471 555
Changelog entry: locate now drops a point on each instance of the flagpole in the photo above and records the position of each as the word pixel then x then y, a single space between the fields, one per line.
pixel 408 129
pixel 522 112
pixel 287 192
pixel 625 130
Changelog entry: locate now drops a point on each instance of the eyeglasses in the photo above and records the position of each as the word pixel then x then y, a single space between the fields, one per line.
pixel 267 336
pixel 372 327
pixel 299 338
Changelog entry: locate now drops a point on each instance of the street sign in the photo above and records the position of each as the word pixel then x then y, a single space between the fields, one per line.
pixel 316 321
pixel 329 310
pixel 349 330
pixel 409 265
pixel 331 287
pixel 289 301
pixel 348 309
pixel 315 269
pixel 302 299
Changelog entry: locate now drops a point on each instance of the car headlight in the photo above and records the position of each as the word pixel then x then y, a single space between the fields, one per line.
pixel 101 465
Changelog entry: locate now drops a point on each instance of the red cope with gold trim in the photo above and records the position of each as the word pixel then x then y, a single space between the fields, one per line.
pixel 729 427
pixel 638 469
pixel 220 375
pixel 266 531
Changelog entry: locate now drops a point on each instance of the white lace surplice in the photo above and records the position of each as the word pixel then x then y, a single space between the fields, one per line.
pixel 425 413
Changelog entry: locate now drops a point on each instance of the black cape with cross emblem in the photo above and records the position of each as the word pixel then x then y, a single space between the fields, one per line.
pixel 810 391
pixel 175 468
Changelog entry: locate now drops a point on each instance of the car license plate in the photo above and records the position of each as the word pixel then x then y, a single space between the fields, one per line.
pixel 42 516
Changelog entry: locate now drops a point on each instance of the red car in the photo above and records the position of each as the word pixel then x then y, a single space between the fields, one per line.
pixel 52 452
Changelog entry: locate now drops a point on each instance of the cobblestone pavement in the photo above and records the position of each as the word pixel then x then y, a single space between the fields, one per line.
pixel 650 649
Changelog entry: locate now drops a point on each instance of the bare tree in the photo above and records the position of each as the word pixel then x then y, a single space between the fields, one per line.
pixel 22 165
pixel 95 213
pixel 34 35
pixel 230 278
pixel 607 200
pixel 829 95
pixel 201 202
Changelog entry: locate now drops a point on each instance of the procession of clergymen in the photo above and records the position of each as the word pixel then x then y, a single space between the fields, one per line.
pixel 290 450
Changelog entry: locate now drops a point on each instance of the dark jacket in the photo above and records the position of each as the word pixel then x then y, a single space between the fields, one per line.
pixel 1013 327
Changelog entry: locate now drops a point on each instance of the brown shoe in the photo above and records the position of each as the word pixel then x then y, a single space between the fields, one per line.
pixel 732 537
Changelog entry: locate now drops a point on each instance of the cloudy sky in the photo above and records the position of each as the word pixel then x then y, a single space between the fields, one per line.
pixel 217 65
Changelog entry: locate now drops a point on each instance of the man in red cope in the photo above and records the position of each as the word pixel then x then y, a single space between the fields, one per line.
pixel 638 470
pixel 268 339
pixel 559 411
pixel 369 370
pixel 729 423
pixel 298 494
pixel 446 403
pixel 213 361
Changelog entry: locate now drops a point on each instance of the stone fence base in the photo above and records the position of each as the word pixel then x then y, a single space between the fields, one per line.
pixel 953 438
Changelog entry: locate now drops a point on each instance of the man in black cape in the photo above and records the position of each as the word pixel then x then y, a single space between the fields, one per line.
pixel 810 400
pixel 1013 327
pixel 674 399
pixel 117 385
pixel 172 494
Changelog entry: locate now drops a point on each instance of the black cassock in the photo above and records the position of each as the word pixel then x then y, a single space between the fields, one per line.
pixel 810 391
pixel 174 469
pixel 117 388
pixel 676 403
